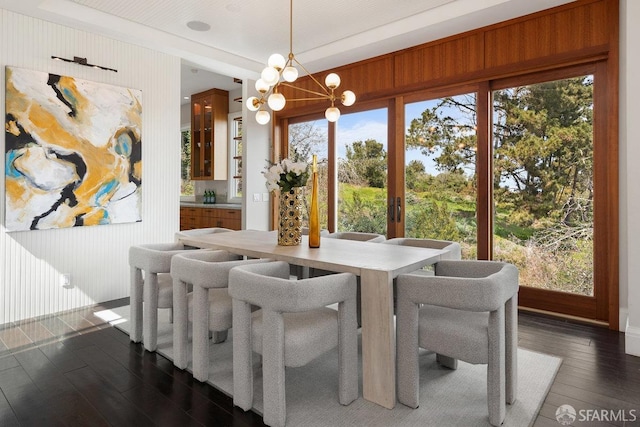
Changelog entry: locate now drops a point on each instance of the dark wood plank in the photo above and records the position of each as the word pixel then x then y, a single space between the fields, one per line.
pixel 64 359
pixel 8 362
pixel 7 417
pixel 28 403
pixel 112 371
pixel 159 408
pixel 106 399
pixel 102 378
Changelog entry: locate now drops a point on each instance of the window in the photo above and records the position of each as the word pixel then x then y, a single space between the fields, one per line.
pixel 440 170
pixel 186 184
pixel 307 138
pixel 235 157
pixel 543 143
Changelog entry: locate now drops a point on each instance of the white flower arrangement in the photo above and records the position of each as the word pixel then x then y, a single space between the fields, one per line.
pixel 286 174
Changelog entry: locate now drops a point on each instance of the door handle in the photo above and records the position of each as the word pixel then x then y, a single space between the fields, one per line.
pixel 399 208
pixel 392 209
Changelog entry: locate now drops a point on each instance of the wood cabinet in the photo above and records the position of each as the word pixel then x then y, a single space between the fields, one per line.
pixel 191 218
pixel 209 111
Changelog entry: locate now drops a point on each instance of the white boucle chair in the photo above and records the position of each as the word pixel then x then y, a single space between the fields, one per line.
pixel 466 311
pixel 208 306
pixel 300 271
pixel 292 328
pixel 155 287
pixel 186 269
pixel 453 251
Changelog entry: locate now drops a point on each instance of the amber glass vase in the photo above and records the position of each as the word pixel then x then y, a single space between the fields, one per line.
pixel 314 212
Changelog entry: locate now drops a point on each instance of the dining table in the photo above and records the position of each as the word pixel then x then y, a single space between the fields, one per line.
pixel 376 264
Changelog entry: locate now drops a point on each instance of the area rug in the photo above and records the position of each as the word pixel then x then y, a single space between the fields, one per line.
pixel 447 398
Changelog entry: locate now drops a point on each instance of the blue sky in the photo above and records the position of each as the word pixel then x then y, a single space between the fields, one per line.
pixel 372 124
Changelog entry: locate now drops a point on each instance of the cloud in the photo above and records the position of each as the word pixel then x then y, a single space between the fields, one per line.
pixel 361 130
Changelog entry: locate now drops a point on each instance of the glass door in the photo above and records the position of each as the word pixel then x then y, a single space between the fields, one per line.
pixel 440 170
pixel 307 138
pixel 543 153
pixel 361 145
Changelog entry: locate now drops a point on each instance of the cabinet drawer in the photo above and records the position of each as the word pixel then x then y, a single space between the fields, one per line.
pixel 209 213
pixel 230 214
pixel 191 211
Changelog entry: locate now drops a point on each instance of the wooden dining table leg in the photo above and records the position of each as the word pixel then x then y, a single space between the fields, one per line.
pixel 378 338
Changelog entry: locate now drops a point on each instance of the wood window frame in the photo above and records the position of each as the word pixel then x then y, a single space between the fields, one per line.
pixel 580 33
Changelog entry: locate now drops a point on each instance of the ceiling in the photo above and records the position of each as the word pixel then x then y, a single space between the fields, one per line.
pixel 243 33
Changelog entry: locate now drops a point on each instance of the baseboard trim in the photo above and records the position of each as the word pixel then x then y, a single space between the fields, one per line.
pixel 564 316
pixel 623 319
pixel 632 341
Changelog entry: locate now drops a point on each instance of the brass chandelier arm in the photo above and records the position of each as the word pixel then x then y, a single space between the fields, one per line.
pixel 311 76
pixel 319 94
pixel 281 71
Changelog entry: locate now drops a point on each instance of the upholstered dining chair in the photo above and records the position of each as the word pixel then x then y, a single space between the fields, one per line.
pixel 150 282
pixel 357 235
pixel 208 307
pixel 186 269
pixel 466 311
pixel 292 327
pixel 300 271
pixel 453 251
pixel 351 235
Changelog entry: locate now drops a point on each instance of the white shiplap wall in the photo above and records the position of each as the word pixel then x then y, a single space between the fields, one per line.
pixel 31 262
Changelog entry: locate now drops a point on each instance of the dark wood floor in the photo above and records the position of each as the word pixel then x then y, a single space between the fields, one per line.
pixel 74 369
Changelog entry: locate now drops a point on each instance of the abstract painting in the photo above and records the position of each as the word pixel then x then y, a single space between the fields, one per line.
pixel 73 152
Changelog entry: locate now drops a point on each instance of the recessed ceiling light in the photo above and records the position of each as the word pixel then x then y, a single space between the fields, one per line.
pixel 198 26
pixel 186 97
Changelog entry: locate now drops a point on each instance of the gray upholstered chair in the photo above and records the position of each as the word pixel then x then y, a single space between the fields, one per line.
pixel 357 235
pixel 351 235
pixel 467 311
pixel 292 328
pixel 192 268
pixel 454 251
pixel 300 271
pixel 210 305
pixel 155 287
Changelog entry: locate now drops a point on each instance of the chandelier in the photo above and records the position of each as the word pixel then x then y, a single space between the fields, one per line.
pixel 282 72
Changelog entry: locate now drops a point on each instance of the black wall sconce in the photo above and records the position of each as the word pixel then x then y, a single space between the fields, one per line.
pixel 83 61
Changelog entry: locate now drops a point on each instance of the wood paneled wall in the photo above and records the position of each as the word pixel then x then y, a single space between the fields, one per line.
pixel 570 34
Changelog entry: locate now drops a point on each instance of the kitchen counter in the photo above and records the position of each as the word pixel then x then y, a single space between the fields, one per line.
pixel 210 205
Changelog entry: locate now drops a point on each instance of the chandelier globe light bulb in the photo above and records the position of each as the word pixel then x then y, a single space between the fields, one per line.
pixel 270 76
pixel 290 74
pixel 263 117
pixel 276 61
pixel 348 98
pixel 276 101
pixel 253 103
pixel 332 80
pixel 262 86
pixel 332 114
